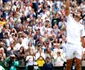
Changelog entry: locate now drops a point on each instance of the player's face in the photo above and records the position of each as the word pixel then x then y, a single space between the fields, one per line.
pixel 77 16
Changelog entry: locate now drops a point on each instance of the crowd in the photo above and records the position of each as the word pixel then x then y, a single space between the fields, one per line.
pixel 32 30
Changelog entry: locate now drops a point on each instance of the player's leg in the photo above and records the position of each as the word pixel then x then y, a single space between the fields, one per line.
pixel 69 55
pixel 78 64
pixel 78 55
pixel 69 64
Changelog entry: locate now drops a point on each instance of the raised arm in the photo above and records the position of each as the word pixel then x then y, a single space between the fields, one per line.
pixel 67 7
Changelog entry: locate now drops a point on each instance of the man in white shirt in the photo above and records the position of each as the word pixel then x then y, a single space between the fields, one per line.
pixel 75 38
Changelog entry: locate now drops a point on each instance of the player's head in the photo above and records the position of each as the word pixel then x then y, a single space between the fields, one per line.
pixel 77 15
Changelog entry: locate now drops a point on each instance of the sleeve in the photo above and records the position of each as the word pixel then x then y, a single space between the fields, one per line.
pixel 27 58
pixel 37 56
pixel 55 57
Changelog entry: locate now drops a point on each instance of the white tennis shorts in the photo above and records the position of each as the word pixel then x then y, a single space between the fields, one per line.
pixel 73 51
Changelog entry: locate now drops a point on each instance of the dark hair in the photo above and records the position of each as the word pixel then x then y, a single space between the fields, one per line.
pixel 47 57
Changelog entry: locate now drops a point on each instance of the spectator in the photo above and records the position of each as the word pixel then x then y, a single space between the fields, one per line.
pixel 18 44
pixel 11 49
pixel 48 65
pixel 21 56
pixel 2 55
pixel 59 55
pixel 59 59
pixel 30 61
pixel 49 53
pixel 40 58
pixel 15 63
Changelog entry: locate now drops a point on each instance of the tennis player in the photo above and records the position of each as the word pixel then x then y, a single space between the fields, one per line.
pixel 75 38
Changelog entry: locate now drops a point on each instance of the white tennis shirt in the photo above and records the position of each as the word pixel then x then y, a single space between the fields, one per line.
pixel 75 30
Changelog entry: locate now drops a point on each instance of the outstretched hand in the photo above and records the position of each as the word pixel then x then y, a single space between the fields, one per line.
pixel 67 7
